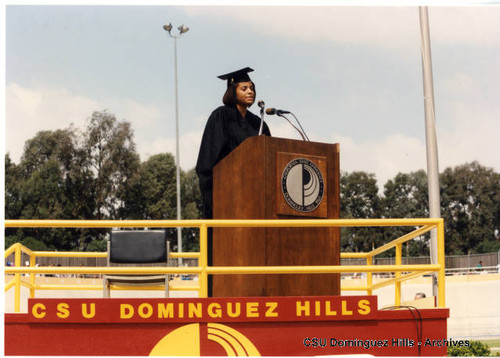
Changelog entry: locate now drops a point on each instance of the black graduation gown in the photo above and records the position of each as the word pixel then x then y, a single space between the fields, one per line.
pixel 225 130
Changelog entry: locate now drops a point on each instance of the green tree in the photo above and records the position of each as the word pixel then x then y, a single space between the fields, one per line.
pixel 406 196
pixel 58 145
pixel 191 209
pixel 34 244
pixel 470 203
pixel 43 193
pixel 152 195
pixel 36 188
pixel 151 192
pixel 359 199
pixel 13 206
pixel 97 245
pixel 13 178
pixel 65 174
pixel 43 197
pixel 111 160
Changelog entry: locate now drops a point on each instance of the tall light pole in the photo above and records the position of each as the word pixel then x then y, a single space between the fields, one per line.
pixel 182 29
pixel 430 136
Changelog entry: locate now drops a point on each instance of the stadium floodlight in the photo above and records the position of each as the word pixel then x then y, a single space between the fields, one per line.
pixel 182 29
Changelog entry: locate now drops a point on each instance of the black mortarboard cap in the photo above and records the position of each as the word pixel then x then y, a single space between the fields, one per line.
pixel 237 76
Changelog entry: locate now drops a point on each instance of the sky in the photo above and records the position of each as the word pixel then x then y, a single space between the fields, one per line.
pixel 351 74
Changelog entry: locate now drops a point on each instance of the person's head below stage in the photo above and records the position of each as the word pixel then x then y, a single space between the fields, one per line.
pixel 419 296
pixel 240 92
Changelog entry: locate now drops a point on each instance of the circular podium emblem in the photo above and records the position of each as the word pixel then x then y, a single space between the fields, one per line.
pixel 302 185
pixel 187 340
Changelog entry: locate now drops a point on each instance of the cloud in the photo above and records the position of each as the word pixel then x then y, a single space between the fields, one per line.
pixel 467 121
pixel 473 136
pixel 143 115
pixel 467 140
pixel 44 107
pixel 189 146
pixel 470 134
pixel 477 26
pixel 385 157
pixel 347 25
pixel 30 110
pixel 382 26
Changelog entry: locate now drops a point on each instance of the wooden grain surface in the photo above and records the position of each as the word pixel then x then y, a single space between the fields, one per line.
pixel 245 187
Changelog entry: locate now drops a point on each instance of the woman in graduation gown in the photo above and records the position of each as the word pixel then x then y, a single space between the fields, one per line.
pixel 227 127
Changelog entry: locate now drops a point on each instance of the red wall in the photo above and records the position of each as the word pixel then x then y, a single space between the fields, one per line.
pixel 273 325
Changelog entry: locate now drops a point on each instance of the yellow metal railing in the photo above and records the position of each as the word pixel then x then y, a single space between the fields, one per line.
pixel 402 272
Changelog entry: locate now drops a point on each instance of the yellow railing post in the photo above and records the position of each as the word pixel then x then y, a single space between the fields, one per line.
pixel 203 262
pixel 32 276
pixel 17 279
pixel 441 261
pixel 369 276
pixel 399 251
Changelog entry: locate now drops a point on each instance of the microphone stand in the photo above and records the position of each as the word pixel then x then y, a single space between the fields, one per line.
pixel 261 120
pixel 302 135
pixel 303 131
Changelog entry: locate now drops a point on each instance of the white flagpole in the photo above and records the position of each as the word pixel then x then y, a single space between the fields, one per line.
pixel 430 136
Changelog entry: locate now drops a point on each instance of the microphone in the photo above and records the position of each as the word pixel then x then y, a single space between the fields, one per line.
pixel 261 105
pixel 279 112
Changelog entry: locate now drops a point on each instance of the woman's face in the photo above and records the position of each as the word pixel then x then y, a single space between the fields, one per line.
pixel 245 93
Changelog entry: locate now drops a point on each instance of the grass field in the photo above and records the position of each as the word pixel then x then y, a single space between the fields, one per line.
pixel 492 343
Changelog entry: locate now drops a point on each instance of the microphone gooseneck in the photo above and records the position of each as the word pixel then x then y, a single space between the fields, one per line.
pixel 280 112
pixel 303 131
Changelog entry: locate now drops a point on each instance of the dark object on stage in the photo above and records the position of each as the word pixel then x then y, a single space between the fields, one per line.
pixel 132 248
pixel 273 178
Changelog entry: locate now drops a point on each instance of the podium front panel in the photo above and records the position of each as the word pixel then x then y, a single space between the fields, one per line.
pixel 247 185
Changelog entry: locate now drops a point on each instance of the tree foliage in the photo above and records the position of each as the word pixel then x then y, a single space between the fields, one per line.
pixel 470 203
pixel 359 199
pixel 406 196
pixel 470 206
pixel 152 195
pixel 112 160
pixel 97 174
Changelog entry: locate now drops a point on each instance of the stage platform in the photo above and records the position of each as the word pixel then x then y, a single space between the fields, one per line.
pixel 267 326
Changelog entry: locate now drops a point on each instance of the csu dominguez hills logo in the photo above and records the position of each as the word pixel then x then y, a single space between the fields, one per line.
pixel 302 185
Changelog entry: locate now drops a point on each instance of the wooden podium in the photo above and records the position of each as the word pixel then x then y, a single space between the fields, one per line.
pixel 274 178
